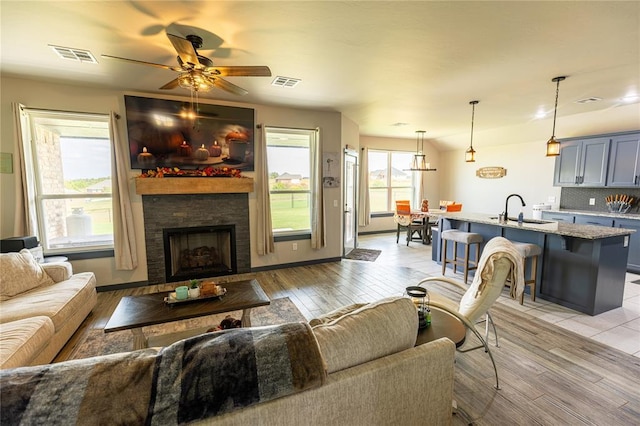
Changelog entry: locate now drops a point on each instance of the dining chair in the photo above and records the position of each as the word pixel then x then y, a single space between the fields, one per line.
pixel 500 261
pixel 403 220
pixel 444 203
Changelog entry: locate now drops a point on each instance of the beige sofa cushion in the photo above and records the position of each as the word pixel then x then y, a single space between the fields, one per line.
pixel 22 340
pixel 334 315
pixel 20 273
pixel 372 331
pixel 59 301
pixel 58 271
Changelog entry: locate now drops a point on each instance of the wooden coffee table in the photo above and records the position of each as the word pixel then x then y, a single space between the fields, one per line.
pixel 135 312
pixel 443 324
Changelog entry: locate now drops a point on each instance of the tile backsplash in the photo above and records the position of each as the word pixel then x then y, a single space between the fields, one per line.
pixel 578 198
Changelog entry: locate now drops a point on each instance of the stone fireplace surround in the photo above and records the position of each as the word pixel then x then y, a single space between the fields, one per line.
pixel 191 210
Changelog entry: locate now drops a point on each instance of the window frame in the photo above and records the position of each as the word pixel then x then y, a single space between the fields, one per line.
pixel 389 187
pixel 294 234
pixel 38 195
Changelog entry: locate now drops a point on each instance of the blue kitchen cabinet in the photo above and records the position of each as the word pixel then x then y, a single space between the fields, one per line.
pixel 582 162
pixel 624 163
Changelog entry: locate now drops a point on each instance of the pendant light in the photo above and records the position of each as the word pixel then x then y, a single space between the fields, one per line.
pixel 470 154
pixel 553 146
pixel 419 163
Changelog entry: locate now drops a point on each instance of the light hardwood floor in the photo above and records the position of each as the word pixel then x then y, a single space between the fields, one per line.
pixel 549 375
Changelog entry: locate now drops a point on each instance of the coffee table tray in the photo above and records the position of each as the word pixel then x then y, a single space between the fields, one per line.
pixel 173 301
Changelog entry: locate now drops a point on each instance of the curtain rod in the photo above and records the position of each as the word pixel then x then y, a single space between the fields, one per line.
pixel 259 126
pixel 60 111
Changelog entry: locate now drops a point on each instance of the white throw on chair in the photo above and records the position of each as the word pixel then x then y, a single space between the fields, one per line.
pixel 499 261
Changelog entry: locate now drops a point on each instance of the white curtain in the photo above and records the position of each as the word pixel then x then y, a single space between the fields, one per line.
pixel 263 200
pixel 364 207
pixel 23 218
pixel 124 237
pixel 318 234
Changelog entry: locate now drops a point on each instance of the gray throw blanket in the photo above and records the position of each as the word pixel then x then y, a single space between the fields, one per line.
pixel 196 378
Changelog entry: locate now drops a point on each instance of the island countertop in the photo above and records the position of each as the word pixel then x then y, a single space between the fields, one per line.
pixel 581 267
pixel 589 232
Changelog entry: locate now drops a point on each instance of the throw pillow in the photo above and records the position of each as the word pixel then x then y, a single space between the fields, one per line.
pixel 20 272
pixel 372 331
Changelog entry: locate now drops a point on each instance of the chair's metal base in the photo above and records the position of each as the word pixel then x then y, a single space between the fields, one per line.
pixel 485 345
pixel 467 323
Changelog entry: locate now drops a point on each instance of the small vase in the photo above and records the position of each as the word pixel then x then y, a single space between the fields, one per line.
pixel 194 293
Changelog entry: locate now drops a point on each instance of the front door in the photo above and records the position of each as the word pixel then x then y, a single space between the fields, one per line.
pixel 350 239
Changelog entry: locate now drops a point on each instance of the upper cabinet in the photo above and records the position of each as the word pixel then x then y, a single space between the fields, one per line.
pixel 582 162
pixel 624 163
pixel 596 161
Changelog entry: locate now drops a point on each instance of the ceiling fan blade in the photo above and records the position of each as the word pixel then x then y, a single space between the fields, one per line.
pixel 171 85
pixel 185 50
pixel 240 71
pixel 225 85
pixel 135 61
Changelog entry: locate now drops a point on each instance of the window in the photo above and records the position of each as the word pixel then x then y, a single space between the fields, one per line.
pixel 68 171
pixel 389 180
pixel 289 164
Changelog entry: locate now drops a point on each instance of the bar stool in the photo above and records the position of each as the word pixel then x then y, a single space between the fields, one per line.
pixel 528 251
pixel 467 238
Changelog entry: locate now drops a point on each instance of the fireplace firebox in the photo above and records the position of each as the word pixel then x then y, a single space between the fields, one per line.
pixel 199 252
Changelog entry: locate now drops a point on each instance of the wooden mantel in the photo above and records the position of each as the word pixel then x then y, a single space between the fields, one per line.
pixel 193 185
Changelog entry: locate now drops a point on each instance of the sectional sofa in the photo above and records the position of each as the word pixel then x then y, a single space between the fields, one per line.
pixel 355 366
pixel 41 306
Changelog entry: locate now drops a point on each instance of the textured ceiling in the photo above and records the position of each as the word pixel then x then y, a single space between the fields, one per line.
pixel 379 63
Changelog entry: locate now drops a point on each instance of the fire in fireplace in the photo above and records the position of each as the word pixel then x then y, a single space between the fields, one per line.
pixel 199 252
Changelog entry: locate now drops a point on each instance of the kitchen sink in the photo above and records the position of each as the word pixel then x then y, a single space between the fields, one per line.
pixel 526 220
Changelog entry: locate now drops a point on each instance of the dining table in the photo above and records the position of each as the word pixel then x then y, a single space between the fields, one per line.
pixel 424 216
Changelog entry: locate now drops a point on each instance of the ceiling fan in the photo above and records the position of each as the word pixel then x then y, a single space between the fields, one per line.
pixel 197 73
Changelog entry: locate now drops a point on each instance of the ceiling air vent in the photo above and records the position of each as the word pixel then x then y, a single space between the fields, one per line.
pixel 285 82
pixel 79 55
pixel 588 100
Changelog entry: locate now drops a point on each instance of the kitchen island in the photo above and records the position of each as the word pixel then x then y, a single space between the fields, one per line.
pixel 582 267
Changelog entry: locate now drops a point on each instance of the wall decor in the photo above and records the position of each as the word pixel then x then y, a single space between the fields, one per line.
pixel 330 170
pixel 6 162
pixel 491 172
pixel 166 133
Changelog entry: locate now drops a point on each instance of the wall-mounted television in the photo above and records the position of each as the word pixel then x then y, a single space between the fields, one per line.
pixel 167 133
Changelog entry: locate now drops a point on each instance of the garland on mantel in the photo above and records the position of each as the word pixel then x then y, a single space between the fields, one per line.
pixel 161 172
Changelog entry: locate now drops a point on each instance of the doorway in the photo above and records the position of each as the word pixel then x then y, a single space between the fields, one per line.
pixel 350 231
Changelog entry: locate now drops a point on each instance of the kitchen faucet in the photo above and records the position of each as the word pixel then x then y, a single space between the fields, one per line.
pixel 506 205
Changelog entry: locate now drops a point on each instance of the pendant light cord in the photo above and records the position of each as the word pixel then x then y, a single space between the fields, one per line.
pixel 473 113
pixel 555 109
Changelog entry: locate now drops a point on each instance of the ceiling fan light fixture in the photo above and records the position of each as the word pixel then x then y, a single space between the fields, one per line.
pixel 194 80
pixel 470 153
pixel 553 146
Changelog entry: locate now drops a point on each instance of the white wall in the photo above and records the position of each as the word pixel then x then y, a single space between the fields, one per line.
pixel 521 150
pixel 529 174
pixel 37 94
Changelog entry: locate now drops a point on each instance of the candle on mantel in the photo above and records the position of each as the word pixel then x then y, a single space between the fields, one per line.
pixel 202 153
pixel 145 158
pixel 215 150
pixel 184 150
